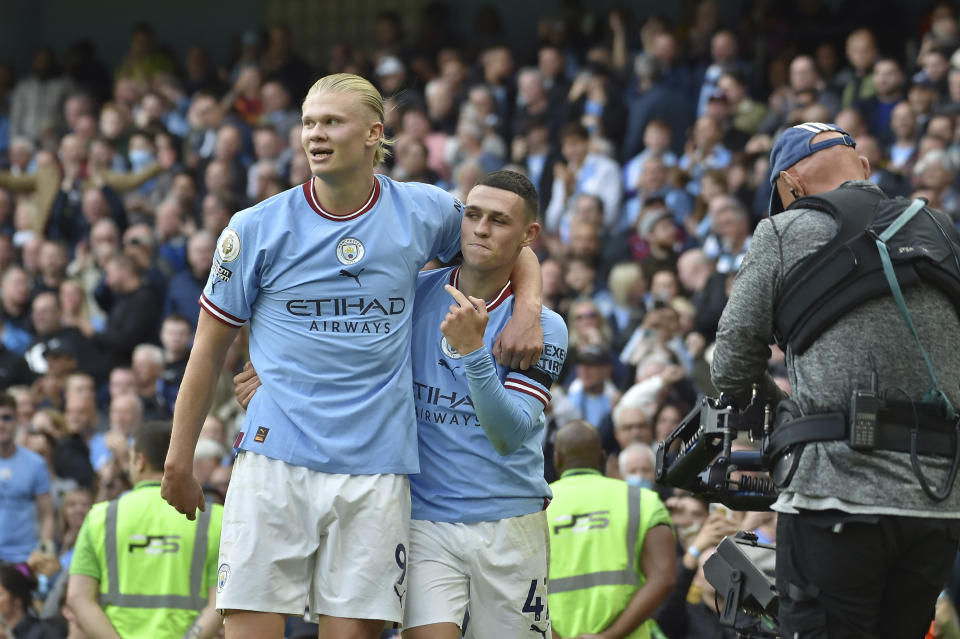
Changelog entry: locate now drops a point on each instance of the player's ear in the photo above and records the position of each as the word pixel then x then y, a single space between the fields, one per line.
pixel 531 234
pixel 374 134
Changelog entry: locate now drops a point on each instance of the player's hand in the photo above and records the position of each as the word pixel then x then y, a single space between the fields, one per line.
pixel 182 491
pixel 245 384
pixel 520 343
pixel 465 322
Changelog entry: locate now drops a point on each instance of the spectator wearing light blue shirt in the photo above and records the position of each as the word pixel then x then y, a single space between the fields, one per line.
pixel 26 508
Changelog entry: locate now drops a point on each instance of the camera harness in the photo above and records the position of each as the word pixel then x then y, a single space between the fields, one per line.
pixel 881 245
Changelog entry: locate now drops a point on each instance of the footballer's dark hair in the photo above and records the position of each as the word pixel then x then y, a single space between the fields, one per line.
pixel 153 440
pixel 515 183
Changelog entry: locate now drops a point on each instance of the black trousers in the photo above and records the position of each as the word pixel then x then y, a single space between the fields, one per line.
pixel 844 576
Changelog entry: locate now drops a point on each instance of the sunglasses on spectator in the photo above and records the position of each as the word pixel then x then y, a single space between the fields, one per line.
pixel 586 315
pixel 6 417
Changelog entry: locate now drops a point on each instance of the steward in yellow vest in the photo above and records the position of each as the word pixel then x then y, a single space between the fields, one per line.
pixel 140 570
pixel 612 547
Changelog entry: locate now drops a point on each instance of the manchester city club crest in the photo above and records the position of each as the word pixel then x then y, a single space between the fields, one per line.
pixel 349 251
pixel 229 248
pixel 222 575
pixel 448 350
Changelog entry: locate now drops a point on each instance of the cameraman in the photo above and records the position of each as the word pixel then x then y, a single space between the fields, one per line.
pixel 862 548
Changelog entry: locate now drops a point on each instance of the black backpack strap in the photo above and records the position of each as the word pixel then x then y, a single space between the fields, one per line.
pixel 800 301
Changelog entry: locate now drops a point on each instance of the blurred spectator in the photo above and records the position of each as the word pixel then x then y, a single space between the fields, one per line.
pixel 277 108
pixel 533 101
pixel 856 82
pixel 17 584
pixel 656 143
pixel 497 68
pixel 903 150
pixel 207 457
pixel 185 287
pixel 637 464
pixel 37 100
pixel 176 331
pixel 25 503
pixel 594 100
pixel 76 505
pixel 244 97
pixel 133 317
pixel 15 298
pixel 888 82
pixel 707 290
pixel 411 162
pixel 723 53
pixel 439 100
pixel 13 368
pixel 729 236
pixel 746 113
pixel 893 184
pixel 593 392
pixel 624 302
pixel 628 424
pixel 281 62
pixel 46 317
pixel 937 174
pixel 145 58
pixel 75 311
pixel 582 172
pixel 652 185
pixel 147 365
pixel 705 151
pixel 533 150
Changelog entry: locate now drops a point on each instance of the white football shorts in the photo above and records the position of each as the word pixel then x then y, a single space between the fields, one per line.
pixel 290 533
pixel 497 568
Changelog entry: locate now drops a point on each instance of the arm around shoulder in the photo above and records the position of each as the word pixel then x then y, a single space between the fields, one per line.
pixel 520 343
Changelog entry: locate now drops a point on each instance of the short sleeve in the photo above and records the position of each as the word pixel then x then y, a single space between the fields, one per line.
pixel 234 281
pixel 41 479
pixel 446 245
pixel 85 560
pixel 653 513
pixel 538 379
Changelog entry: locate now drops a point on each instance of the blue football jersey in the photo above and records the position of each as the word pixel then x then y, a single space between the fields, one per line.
pixel 330 301
pixel 462 477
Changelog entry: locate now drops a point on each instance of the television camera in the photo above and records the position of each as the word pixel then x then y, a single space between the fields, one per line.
pixel 698 456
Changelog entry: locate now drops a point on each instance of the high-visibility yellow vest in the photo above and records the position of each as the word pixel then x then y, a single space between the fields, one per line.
pixel 155 567
pixel 597 527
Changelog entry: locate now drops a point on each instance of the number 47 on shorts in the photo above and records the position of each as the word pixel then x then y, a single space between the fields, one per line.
pixel 534 603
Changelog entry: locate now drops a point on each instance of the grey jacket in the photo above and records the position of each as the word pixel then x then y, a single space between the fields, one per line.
pixel 874 335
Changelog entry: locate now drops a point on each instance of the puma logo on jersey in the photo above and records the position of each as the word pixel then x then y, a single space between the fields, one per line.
pixel 443 364
pixel 345 273
pixel 542 632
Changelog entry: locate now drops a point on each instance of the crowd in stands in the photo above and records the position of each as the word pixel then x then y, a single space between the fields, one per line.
pixel 648 143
